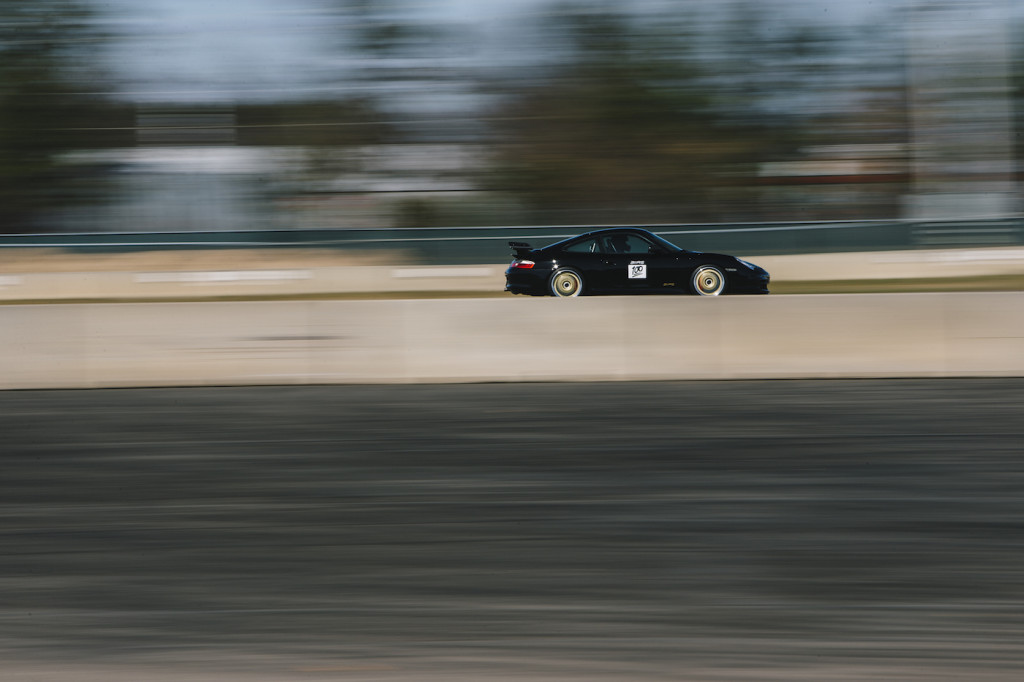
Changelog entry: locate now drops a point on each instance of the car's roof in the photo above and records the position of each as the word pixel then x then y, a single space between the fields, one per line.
pixel 605 230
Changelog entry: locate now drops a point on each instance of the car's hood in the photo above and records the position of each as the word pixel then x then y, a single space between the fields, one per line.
pixel 709 254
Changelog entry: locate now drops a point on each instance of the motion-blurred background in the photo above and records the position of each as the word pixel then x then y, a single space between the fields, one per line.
pixel 521 526
pixel 183 115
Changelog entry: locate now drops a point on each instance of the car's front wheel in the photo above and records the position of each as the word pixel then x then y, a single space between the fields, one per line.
pixel 707 281
pixel 566 282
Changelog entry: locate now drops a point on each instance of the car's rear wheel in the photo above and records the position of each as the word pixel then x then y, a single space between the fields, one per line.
pixel 566 283
pixel 708 281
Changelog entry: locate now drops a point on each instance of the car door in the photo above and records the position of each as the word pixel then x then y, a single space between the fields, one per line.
pixel 636 265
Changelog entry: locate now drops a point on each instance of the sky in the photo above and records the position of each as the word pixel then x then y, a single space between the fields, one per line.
pixel 238 49
pixel 205 47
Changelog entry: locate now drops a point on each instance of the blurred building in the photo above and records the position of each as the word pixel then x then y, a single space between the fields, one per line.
pixel 837 182
pixel 963 161
pixel 187 173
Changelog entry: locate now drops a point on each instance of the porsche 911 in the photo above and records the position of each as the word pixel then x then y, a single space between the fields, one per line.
pixel 627 261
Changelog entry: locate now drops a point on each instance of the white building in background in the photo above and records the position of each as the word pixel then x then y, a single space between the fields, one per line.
pixel 177 189
pixel 186 188
pixel 187 173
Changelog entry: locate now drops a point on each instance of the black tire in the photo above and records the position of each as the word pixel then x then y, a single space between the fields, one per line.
pixel 707 280
pixel 566 283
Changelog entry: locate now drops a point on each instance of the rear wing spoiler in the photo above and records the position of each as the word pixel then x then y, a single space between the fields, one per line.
pixel 520 248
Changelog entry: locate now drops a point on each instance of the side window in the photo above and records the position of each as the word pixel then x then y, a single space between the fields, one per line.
pixel 628 244
pixel 641 245
pixel 585 246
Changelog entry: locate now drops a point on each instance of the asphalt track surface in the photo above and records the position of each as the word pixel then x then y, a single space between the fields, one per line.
pixel 709 531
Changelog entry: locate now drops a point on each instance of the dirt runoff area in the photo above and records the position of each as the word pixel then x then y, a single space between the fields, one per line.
pixel 41 260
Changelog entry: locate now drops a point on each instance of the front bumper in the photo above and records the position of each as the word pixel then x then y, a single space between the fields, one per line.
pixel 750 283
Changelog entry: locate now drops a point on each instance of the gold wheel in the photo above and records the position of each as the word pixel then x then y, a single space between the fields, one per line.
pixel 566 283
pixel 708 281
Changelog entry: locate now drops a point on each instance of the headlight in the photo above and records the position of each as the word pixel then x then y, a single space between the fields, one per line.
pixel 749 265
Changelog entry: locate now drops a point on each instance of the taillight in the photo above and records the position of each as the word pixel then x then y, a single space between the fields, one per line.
pixel 523 264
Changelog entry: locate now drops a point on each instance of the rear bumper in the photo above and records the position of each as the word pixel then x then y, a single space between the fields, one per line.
pixel 521 289
pixel 530 282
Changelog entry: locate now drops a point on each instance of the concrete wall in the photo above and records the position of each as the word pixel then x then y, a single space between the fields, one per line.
pixel 511 339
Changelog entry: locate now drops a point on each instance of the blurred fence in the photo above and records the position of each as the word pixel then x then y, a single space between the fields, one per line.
pixel 471 245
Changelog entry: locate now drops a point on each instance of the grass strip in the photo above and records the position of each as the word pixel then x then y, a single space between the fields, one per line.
pixel 781 288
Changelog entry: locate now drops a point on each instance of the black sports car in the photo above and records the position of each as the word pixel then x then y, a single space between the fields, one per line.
pixel 626 260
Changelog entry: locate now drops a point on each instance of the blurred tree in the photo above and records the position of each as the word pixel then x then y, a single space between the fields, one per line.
pixel 627 128
pixel 1017 83
pixel 411 63
pixel 327 130
pixel 412 68
pixel 382 28
pixel 46 58
pixel 311 123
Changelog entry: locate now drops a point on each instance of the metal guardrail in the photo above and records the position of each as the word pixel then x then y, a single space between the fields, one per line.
pixel 467 245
